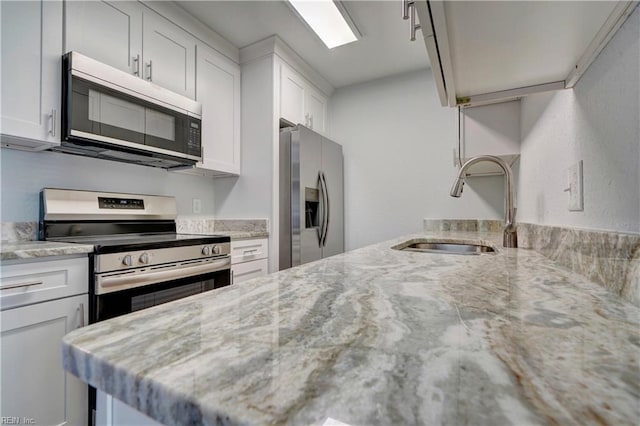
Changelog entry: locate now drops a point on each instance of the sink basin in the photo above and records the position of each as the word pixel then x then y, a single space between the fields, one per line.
pixel 446 247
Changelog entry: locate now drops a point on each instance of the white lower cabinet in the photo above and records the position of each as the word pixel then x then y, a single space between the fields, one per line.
pixel 248 270
pixel 112 412
pixel 34 384
pixel 249 259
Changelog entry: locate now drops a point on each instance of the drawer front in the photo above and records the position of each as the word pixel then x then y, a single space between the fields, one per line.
pixel 248 270
pixel 248 250
pixel 25 283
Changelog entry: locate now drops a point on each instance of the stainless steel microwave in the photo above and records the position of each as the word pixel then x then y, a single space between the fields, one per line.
pixel 108 113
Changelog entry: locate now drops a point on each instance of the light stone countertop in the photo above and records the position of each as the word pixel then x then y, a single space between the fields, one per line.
pixel 10 250
pixel 379 336
pixel 243 235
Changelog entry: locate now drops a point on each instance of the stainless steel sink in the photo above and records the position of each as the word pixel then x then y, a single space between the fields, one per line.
pixel 446 247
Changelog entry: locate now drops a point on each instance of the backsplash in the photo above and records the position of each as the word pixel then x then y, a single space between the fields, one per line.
pixel 28 231
pixel 19 231
pixel 611 259
pixel 467 225
pixel 209 225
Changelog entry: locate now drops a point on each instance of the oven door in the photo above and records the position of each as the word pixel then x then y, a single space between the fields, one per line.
pixel 119 293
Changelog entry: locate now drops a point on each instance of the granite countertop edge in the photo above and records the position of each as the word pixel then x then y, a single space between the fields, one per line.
pixel 15 250
pixel 243 235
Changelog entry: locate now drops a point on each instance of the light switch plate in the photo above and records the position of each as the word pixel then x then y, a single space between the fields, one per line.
pixel 576 203
pixel 197 206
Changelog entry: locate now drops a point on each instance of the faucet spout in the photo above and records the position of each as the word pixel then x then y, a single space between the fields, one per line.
pixel 510 237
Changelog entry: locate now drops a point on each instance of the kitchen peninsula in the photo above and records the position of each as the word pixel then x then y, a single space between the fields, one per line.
pixel 379 336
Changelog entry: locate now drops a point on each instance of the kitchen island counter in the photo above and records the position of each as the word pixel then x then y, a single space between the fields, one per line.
pixel 379 336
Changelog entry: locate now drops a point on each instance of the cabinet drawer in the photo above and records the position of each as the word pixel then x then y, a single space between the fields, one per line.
pixel 36 281
pixel 248 270
pixel 248 250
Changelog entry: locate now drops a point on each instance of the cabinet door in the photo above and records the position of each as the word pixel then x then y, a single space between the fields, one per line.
pixel 169 55
pixel 107 31
pixel 316 106
pixel 34 383
pixel 292 96
pixel 248 270
pixel 31 72
pixel 218 89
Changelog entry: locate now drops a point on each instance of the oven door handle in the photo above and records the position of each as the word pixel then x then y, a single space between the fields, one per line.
pixel 111 283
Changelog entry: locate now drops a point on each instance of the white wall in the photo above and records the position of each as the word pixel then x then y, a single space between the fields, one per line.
pixel 597 122
pixel 249 196
pixel 398 159
pixel 24 174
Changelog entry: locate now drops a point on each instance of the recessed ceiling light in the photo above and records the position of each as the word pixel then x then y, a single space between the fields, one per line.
pixel 327 20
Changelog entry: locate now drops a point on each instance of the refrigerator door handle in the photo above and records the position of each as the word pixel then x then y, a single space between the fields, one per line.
pixel 327 210
pixel 321 228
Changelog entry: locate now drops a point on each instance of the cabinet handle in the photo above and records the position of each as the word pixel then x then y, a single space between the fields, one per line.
pixel 52 118
pixel 149 67
pixel 405 9
pixel 81 312
pixel 413 27
pixel 250 251
pixel 311 121
pixel 232 277
pixel 136 68
pixel 29 284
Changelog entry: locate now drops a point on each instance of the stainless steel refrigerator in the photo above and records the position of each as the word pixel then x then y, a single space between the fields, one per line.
pixel 311 197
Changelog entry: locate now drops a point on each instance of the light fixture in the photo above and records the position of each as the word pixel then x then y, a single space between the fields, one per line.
pixel 328 19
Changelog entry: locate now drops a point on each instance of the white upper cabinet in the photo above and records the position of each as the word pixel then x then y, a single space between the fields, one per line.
pixel 31 73
pixel 485 52
pixel 292 88
pixel 316 110
pixel 218 89
pixel 300 102
pixel 107 31
pixel 169 55
pixel 135 39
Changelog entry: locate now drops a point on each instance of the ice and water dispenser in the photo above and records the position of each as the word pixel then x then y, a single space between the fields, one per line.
pixel 311 208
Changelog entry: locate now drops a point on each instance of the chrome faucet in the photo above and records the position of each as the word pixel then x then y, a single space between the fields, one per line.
pixel 510 237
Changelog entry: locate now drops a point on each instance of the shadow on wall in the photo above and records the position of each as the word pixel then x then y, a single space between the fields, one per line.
pixel 534 113
pixel 485 188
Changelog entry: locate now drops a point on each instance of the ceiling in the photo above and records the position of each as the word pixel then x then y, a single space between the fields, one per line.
pixel 384 48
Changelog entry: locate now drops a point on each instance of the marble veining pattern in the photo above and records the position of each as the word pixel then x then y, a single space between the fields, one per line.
pixel 379 336
pixel 19 231
pixel 610 259
pixel 31 249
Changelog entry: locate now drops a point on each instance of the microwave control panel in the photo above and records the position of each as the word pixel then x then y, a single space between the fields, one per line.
pixel 194 137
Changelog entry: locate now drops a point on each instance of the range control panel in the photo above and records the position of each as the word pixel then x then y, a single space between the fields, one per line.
pixel 121 203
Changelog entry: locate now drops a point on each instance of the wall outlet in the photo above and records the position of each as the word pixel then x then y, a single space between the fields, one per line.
pixel 576 202
pixel 197 206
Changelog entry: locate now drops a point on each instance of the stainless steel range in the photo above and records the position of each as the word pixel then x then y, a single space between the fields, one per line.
pixel 139 260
